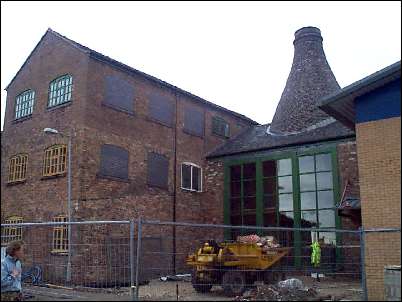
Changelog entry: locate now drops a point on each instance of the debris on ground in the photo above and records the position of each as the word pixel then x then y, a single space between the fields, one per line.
pixel 291 284
pixel 287 290
pixel 265 242
pixel 179 277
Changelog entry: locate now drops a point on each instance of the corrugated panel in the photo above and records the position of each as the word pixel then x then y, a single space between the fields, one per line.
pixel 119 94
pixel 158 169
pixel 161 108
pixel 114 161
pixel 194 121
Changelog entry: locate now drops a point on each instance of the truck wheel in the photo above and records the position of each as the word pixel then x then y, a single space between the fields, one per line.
pixel 233 283
pixel 199 285
pixel 273 277
pixel 202 288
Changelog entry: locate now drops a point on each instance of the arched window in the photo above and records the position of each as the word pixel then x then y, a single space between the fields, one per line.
pixel 55 160
pixel 24 103
pixel 60 90
pixel 11 233
pixel 17 168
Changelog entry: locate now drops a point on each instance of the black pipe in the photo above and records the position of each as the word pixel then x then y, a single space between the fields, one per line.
pixel 175 184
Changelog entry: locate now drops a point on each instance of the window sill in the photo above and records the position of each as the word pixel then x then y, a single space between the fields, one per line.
pixel 21 119
pixel 118 109
pixel 16 182
pixel 66 104
pixel 101 176
pixel 59 253
pixel 193 134
pixel 220 136
pixel 53 176
pixel 190 190
pixel 150 119
pixel 165 188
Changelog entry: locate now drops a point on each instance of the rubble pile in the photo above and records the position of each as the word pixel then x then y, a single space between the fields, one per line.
pixel 288 290
pixel 266 242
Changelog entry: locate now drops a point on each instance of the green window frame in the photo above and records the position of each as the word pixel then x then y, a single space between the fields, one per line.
pixel 220 127
pixel 317 202
pixel 293 155
pixel 24 103
pixel 60 90
pixel 278 190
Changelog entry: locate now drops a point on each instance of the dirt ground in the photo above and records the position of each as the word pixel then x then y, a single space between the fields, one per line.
pixel 167 291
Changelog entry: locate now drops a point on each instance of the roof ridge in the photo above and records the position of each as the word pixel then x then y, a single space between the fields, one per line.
pixel 101 57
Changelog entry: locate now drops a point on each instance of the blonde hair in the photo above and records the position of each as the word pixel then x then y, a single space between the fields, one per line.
pixel 14 246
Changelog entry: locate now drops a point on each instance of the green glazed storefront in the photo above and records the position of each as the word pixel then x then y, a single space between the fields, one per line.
pixel 295 187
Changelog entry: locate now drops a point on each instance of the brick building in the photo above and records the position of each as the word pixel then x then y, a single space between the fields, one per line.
pixel 298 170
pixel 138 144
pixel 142 147
pixel 372 106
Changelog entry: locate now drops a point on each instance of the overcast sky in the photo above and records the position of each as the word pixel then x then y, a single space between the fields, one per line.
pixel 237 55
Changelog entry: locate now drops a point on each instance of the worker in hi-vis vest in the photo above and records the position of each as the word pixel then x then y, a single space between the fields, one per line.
pixel 316 256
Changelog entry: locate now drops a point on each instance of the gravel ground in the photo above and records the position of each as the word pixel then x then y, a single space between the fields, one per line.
pixel 162 291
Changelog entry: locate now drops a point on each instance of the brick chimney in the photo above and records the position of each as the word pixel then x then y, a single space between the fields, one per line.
pixel 310 79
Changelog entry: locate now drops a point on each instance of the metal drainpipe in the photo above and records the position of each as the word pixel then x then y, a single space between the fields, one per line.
pixel 68 277
pixel 175 184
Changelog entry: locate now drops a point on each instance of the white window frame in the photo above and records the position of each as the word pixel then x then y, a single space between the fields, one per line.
pixel 191 176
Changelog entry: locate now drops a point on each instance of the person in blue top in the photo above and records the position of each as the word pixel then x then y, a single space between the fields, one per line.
pixel 11 272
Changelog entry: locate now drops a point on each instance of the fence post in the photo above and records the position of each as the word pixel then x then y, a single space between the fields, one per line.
pixel 137 266
pixel 363 263
pixel 132 275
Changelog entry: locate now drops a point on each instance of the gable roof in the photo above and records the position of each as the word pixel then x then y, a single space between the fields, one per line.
pixel 130 70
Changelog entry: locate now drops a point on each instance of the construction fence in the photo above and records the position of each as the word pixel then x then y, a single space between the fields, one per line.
pixel 154 260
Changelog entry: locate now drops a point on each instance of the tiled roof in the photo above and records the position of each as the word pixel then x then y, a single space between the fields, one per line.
pixel 100 57
pixel 256 138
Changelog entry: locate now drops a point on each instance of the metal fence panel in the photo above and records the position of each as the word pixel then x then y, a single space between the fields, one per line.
pixel 150 260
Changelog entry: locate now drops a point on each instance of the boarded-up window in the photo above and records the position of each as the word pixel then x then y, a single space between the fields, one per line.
pixel 158 169
pixel 194 122
pixel 161 109
pixel 119 94
pixel 114 162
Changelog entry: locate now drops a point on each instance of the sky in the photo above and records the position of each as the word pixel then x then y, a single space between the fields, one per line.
pixel 235 54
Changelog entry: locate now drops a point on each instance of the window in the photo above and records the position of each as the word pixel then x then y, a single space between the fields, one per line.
pixel 119 94
pixel 11 233
pixel 60 235
pixel 17 168
pixel 316 194
pixel 242 196
pixel 220 127
pixel 194 122
pixel 55 159
pixel 114 162
pixel 60 90
pixel 278 192
pixel 158 168
pixel 191 177
pixel 24 104
pixel 161 109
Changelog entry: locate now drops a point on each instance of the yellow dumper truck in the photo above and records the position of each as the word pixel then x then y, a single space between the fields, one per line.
pixel 233 265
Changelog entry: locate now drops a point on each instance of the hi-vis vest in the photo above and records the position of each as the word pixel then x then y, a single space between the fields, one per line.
pixel 315 253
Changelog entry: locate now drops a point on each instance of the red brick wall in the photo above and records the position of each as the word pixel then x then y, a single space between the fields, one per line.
pixel 96 198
